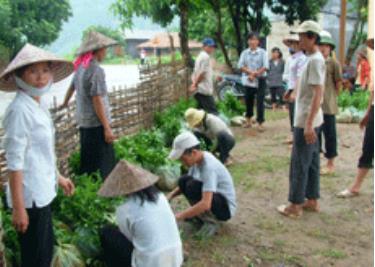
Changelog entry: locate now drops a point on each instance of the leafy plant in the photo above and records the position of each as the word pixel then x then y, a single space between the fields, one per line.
pixel 74 162
pixel 170 120
pixel 231 106
pixel 358 100
pixel 145 148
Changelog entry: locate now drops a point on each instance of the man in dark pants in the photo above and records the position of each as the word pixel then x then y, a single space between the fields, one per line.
pixel 202 78
pixel 208 186
pixel 367 158
pixel 304 184
pixel 330 107
pixel 254 64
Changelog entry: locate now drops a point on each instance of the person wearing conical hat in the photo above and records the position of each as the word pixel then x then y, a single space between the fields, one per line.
pixel 304 177
pixel 294 68
pixel 366 161
pixel 212 129
pixel 30 152
pixel 93 108
pixel 333 82
pixel 208 185
pixel 363 70
pixel 147 234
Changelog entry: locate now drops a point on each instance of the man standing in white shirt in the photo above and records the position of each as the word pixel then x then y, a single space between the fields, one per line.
pixel 304 189
pixel 202 86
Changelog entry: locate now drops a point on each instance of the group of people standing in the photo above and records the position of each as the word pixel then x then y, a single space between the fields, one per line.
pixel 147 232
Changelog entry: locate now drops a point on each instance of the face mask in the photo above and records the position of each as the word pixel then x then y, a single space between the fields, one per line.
pixel 33 91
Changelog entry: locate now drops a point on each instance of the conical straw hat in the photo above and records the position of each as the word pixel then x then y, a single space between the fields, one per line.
pixel 125 179
pixel 28 55
pixel 94 41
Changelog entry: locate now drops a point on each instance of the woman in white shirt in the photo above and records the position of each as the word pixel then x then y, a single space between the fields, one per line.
pixel 29 150
pixel 147 233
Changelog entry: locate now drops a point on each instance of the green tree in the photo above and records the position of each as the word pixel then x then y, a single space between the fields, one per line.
pixel 36 21
pixel 360 9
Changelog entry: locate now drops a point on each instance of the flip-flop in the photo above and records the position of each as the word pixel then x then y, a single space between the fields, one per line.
pixel 347 194
pixel 282 209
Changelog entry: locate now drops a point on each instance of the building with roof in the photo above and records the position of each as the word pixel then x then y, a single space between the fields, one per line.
pixel 161 44
pixel 133 38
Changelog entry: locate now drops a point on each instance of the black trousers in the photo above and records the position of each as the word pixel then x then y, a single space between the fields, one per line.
pixel 250 93
pixel 96 154
pixel 207 103
pixel 225 143
pixel 367 157
pixel 277 93
pixel 291 115
pixel 192 190
pixel 304 175
pixel 36 244
pixel 328 131
pixel 117 249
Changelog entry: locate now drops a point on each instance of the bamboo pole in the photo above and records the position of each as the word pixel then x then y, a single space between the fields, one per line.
pixel 342 32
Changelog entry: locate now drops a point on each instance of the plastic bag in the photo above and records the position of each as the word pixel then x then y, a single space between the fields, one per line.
pixel 168 176
pixel 345 116
pixel 238 121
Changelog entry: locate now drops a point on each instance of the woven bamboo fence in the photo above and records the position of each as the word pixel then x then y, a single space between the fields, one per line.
pixel 132 109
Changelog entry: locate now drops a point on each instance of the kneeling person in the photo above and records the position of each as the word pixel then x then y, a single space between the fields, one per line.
pixel 211 128
pixel 208 186
pixel 147 235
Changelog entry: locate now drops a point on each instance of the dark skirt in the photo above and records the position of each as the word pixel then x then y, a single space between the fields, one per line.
pixel 96 154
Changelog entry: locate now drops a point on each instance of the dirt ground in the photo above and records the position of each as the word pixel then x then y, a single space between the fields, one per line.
pixel 340 235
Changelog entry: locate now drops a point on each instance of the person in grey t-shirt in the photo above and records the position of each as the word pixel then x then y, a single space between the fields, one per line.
pixel 304 177
pixel 208 186
pixel 93 109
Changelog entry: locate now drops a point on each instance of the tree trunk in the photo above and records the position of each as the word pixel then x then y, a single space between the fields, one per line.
pixel 219 32
pixel 184 34
pixel 235 14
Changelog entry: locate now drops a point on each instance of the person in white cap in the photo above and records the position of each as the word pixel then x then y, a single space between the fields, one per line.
pixel 366 161
pixel 147 234
pixel 212 130
pixel 29 145
pixel 208 185
pixel 295 66
pixel 93 108
pixel 330 108
pixel 304 189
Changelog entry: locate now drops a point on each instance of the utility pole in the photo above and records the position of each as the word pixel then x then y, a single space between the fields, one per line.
pixel 342 32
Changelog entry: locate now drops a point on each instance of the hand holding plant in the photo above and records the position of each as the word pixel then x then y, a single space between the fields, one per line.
pixel 66 185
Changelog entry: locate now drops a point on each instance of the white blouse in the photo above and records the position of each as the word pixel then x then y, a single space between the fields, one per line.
pixel 30 147
pixel 152 229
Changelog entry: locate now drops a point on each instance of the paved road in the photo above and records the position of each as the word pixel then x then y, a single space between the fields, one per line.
pixel 116 75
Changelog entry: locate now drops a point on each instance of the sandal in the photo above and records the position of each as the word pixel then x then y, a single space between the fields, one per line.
pixel 283 209
pixel 311 208
pixel 347 194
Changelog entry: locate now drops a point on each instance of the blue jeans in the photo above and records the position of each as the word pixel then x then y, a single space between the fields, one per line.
pixel 304 176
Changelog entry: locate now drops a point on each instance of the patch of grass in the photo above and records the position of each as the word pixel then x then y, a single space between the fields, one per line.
pixel 318 234
pixel 266 224
pixel 333 254
pixel 276 115
pixel 279 243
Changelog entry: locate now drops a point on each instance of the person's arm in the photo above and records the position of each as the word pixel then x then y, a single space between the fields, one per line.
pixel 338 77
pixel 68 95
pixel 242 66
pixel 265 67
pixel 310 135
pixel 20 218
pixel 202 206
pixel 176 192
pixel 197 80
pixel 100 112
pixel 364 121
